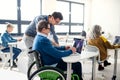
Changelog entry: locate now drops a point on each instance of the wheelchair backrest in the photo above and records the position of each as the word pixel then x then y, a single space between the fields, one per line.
pixel 38 59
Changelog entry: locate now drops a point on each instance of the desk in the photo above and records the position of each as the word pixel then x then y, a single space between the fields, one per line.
pixel 115 63
pixel 11 45
pixel 76 58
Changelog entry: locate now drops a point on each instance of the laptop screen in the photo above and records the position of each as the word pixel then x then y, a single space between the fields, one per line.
pixel 117 40
pixel 78 44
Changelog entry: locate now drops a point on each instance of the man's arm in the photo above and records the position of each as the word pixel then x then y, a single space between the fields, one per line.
pixel 8 38
pixel 47 48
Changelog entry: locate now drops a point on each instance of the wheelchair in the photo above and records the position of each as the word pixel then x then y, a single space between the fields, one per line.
pixel 38 71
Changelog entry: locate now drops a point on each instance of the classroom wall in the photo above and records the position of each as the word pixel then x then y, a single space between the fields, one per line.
pixel 107 14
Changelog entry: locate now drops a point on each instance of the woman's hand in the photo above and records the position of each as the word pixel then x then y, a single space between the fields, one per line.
pixel 73 49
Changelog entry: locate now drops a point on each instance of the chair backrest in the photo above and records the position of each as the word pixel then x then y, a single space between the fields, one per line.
pixel 38 59
pixel 78 44
pixel 92 48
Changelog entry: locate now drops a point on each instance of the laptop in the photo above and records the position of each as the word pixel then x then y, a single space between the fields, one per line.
pixel 117 40
pixel 78 44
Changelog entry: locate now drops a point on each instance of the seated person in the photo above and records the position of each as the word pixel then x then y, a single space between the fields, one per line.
pixel 102 43
pixel 7 38
pixel 53 54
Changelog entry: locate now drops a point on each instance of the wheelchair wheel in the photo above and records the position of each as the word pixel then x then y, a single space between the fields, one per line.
pixel 31 69
pixel 48 73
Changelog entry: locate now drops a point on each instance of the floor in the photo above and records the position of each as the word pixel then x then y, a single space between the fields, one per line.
pixel 107 74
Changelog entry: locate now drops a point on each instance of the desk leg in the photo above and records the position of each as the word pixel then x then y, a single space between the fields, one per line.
pixel 115 64
pixel 94 68
pixel 11 56
pixel 68 71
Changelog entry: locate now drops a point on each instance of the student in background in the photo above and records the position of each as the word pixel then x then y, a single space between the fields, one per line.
pixel 7 38
pixel 96 39
pixel 83 34
pixel 53 54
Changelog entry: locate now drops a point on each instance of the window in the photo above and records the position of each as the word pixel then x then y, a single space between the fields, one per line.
pixel 30 9
pixel 63 7
pixel 23 28
pixel 76 29
pixel 61 28
pixel 3 28
pixel 11 13
pixel 8 9
pixel 73 17
pixel 76 13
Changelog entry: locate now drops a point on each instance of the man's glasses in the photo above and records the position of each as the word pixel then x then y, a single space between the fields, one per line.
pixel 57 21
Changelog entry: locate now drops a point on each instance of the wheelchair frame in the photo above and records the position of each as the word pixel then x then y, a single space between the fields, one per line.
pixel 41 69
pixel 44 71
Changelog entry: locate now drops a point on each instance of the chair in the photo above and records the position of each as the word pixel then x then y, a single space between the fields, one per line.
pixel 38 70
pixel 50 73
pixel 90 48
pixel 95 49
pixel 5 57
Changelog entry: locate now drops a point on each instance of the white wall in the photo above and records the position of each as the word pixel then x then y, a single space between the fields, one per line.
pixel 107 14
pixel 49 6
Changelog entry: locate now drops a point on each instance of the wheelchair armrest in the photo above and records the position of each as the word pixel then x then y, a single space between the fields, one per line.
pixel 30 47
pixel 31 51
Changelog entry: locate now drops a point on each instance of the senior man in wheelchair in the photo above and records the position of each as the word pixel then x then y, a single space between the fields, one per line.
pixel 51 54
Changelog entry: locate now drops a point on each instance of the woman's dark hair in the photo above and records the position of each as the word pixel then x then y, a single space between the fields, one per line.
pixel 83 33
pixel 42 24
pixel 57 15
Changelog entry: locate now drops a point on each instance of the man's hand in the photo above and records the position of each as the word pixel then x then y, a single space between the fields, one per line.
pixel 73 49
pixel 19 39
pixel 67 47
